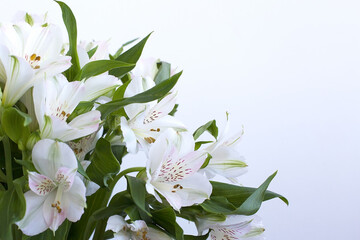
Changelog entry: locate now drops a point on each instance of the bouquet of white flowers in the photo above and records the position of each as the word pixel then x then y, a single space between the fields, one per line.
pixel 69 114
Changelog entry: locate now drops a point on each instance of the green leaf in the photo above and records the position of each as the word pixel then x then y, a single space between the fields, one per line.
pixel 103 164
pixel 237 194
pixel 137 189
pixel 218 205
pixel 81 108
pixel 202 237
pixel 15 124
pixel 200 143
pixel 210 127
pixel 95 68
pixel 207 160
pixel 121 49
pixel 82 171
pixel 12 209
pixel 166 218
pixel 119 93
pixel 130 56
pixel 174 110
pixel 252 204
pixel 163 72
pixel 70 23
pixel 92 51
pixel 153 93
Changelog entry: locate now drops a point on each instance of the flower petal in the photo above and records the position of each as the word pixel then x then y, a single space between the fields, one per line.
pixel 161 109
pixel 33 222
pixel 116 223
pixel 53 217
pixel 99 85
pixel 129 136
pixel 74 200
pixel 48 156
pixel 40 184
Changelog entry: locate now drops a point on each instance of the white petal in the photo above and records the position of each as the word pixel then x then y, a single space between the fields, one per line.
pixel 40 184
pixel 33 222
pixel 74 200
pixel 53 217
pixel 53 66
pixel 99 85
pixel 129 136
pixel 161 109
pixel 116 223
pixel 48 156
pixel 157 153
pixel 154 234
pixel 4 62
pixel 19 78
pixel 80 126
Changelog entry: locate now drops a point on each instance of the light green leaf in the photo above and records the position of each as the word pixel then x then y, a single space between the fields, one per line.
pixel 163 72
pixel 29 19
pixel 154 93
pixel 92 51
pixel 15 124
pixel 210 127
pixel 70 23
pixel 130 56
pixel 12 209
pixel 103 164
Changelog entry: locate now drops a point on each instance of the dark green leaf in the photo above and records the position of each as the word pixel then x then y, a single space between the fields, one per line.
pixel 174 110
pixel 70 23
pixel 82 171
pixel 121 49
pixel 95 68
pixel 130 56
pixel 12 209
pixel 218 205
pixel 253 203
pixel 202 237
pixel 154 93
pixel 119 151
pixel 137 189
pixel 206 162
pixel 166 218
pixel 163 72
pixel 103 164
pixel 210 127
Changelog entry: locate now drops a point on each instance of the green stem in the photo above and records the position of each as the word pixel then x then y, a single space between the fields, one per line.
pixel 2 187
pixel 8 166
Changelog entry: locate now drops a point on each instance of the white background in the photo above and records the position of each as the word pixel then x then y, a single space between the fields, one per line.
pixel 288 70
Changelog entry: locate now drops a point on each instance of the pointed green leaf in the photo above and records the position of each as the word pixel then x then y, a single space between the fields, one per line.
pixel 210 127
pixel 15 124
pixel 154 93
pixel 166 218
pixel 137 189
pixel 92 51
pixel 95 68
pixel 130 56
pixel 70 23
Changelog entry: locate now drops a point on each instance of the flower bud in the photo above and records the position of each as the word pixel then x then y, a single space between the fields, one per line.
pixel 32 140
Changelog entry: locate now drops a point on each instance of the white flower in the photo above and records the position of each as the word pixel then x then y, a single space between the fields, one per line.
pixel 226 160
pixel 138 230
pixel 235 227
pixel 102 51
pixel 39 44
pixel 172 170
pixel 147 121
pixel 56 192
pixel 56 98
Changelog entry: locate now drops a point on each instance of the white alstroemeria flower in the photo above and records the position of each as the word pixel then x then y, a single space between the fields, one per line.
pixel 138 230
pixel 56 98
pixel 56 193
pixel 145 68
pixel 172 170
pixel 16 74
pixel 226 160
pixel 147 121
pixel 39 44
pixel 235 227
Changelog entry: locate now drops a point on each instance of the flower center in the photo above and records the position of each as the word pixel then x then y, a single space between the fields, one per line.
pixel 33 60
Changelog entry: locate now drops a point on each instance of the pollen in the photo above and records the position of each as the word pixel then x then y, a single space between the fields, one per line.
pixel 149 139
pixel 57 206
pixel 33 60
